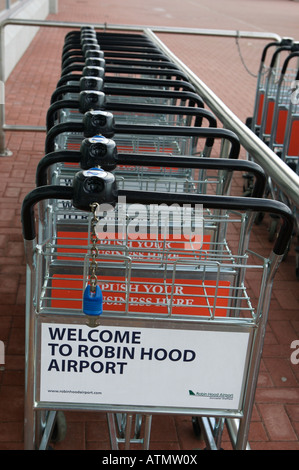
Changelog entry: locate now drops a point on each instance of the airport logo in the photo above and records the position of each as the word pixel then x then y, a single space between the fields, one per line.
pixel 212 396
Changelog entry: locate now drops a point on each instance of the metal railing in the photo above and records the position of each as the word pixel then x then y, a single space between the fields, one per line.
pixel 284 177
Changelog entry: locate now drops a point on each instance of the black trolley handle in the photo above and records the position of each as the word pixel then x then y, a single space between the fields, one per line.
pixel 122 69
pixel 77 63
pixel 113 57
pixel 97 100
pixel 124 44
pixel 178 88
pixel 286 63
pixel 148 90
pixel 283 42
pixel 74 38
pixel 78 54
pixel 144 87
pixel 152 160
pixel 102 122
pixel 100 71
pixel 100 187
pixel 292 47
pixel 69 49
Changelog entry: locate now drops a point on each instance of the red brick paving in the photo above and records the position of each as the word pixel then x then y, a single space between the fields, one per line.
pixel 275 419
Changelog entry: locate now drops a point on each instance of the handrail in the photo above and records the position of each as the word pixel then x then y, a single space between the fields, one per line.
pixel 284 177
pixel 157 29
pixel 117 27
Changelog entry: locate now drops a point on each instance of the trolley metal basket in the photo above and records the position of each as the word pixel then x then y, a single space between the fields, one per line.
pixel 214 177
pixel 173 316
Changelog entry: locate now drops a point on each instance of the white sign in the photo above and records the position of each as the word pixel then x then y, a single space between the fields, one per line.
pixel 142 366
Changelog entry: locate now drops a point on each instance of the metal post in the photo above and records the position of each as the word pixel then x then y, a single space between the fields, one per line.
pixel 4 152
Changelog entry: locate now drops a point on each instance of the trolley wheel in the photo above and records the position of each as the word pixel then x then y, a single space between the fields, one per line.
pixel 196 426
pixel 60 426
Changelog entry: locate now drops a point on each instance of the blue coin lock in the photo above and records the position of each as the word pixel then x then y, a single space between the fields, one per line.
pixel 93 301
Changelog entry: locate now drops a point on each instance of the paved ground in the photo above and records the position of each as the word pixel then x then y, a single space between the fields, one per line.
pixel 275 420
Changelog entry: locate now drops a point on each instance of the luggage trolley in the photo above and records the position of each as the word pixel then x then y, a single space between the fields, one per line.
pixel 71 233
pixel 75 62
pixel 270 96
pixel 216 175
pixel 140 93
pixel 71 77
pixel 290 152
pixel 143 176
pixel 284 135
pixel 127 70
pixel 152 111
pixel 127 112
pixel 271 90
pixel 92 62
pixel 140 105
pixel 173 253
pixel 130 111
pixel 255 121
pixel 91 56
pixel 153 114
pixel 284 139
pixel 138 138
pixel 161 176
pixel 149 112
pixel 116 81
pixel 114 46
pixel 282 111
pixel 102 152
pixel 161 312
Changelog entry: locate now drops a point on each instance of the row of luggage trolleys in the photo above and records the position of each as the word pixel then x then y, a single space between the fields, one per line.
pixel 138 255
pixel 275 116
